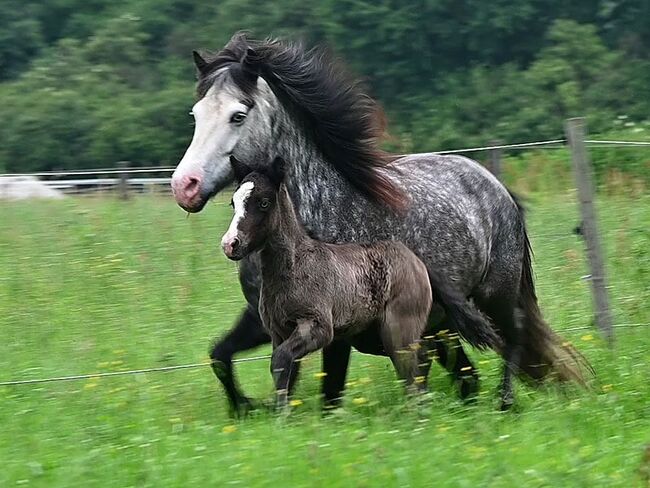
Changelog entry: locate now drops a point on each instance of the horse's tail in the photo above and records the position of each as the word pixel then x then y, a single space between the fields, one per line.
pixel 545 354
pixel 464 318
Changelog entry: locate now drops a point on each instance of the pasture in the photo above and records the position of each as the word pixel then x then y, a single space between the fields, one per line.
pixel 95 284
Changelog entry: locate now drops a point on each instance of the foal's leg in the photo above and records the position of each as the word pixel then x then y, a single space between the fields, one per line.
pixel 308 336
pixel 400 333
pixel 247 334
pixel 336 358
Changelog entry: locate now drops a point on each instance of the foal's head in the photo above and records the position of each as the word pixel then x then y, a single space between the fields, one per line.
pixel 254 202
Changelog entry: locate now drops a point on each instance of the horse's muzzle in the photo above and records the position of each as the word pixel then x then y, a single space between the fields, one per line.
pixel 187 192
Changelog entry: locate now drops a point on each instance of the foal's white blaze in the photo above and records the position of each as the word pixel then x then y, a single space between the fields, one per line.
pixel 239 200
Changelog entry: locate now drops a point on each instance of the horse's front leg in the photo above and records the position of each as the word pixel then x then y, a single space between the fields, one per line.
pixel 309 335
pixel 247 334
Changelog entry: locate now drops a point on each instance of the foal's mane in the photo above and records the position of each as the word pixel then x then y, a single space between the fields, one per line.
pixel 342 120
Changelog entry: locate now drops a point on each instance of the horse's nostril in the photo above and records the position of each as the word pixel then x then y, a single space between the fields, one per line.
pixel 235 244
pixel 192 184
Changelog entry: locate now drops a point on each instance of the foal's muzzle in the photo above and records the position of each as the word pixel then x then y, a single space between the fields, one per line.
pixel 232 248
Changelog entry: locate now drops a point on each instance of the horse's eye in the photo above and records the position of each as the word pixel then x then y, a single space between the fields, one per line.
pixel 264 203
pixel 238 118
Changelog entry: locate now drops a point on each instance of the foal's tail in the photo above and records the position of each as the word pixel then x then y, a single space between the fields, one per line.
pixel 545 354
pixel 465 319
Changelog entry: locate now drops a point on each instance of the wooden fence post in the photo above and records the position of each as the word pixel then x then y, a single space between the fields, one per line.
pixel 495 159
pixel 123 186
pixel 575 132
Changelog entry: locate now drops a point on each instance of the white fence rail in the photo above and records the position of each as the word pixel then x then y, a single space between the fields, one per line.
pixel 62 184
pixel 92 180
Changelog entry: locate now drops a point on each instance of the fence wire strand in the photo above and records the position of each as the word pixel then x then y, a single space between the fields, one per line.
pixel 548 144
pixel 178 367
pixel 618 143
pixel 106 374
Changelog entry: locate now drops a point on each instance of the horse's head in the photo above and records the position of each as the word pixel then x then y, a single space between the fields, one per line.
pixel 255 202
pixel 233 120
pixel 261 99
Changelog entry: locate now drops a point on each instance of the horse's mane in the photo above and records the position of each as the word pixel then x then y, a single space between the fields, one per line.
pixel 344 122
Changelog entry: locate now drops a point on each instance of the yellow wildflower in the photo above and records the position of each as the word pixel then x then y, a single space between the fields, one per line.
pixel 229 429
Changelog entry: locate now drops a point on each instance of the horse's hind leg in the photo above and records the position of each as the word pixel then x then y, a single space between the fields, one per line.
pixel 246 334
pixel 336 358
pixel 512 356
pixel 446 348
pixel 509 320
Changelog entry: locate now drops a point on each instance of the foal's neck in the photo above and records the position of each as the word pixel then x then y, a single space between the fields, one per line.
pixel 286 235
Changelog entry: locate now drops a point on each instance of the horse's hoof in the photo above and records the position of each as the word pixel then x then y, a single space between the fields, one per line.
pixel 244 407
pixel 468 387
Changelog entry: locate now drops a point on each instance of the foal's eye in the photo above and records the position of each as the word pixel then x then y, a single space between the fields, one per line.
pixel 238 118
pixel 264 203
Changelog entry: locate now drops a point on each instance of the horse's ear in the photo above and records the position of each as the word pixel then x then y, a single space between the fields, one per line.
pixel 241 169
pixel 250 64
pixel 278 169
pixel 200 62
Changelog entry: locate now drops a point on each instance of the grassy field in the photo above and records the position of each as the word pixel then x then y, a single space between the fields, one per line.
pixel 94 284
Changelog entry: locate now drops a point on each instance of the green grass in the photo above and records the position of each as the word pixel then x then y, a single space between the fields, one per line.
pixel 91 285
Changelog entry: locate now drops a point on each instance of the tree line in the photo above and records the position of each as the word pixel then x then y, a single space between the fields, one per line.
pixel 85 83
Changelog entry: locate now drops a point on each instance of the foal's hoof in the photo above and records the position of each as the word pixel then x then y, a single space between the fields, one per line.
pixel 468 387
pixel 332 404
pixel 506 403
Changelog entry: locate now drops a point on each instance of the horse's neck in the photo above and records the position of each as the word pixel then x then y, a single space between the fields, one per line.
pixel 286 237
pixel 320 193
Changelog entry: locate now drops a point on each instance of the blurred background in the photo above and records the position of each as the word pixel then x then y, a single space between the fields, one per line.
pixel 99 284
pixel 86 83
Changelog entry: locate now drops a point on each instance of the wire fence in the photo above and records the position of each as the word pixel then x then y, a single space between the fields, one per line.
pixel 547 144
pixel 180 367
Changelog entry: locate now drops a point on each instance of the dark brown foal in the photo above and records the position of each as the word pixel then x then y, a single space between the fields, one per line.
pixel 314 293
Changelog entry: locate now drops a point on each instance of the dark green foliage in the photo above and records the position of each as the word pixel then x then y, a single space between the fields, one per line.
pixel 88 83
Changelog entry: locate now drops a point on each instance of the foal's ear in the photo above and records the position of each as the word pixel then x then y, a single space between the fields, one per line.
pixel 200 62
pixel 241 169
pixel 278 168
